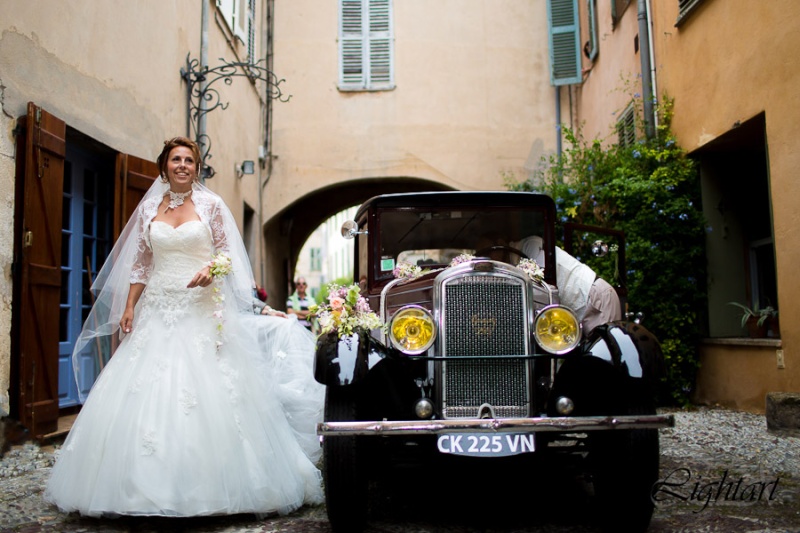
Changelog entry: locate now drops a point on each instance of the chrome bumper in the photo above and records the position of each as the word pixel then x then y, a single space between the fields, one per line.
pixel 494 425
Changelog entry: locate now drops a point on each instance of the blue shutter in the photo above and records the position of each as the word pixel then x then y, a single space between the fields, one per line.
pixel 565 59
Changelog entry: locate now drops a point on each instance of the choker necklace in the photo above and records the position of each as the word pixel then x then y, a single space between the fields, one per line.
pixel 176 199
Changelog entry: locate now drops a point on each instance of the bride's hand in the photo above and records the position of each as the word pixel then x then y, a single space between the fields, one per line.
pixel 201 279
pixel 126 322
pixel 267 310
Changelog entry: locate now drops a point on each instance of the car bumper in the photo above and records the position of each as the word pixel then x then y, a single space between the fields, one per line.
pixel 495 425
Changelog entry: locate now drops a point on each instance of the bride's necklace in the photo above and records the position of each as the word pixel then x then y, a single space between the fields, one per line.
pixel 176 199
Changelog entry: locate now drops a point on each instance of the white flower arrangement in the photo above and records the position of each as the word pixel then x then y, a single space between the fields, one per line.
pixel 407 271
pixel 461 258
pixel 532 269
pixel 346 312
pixel 220 265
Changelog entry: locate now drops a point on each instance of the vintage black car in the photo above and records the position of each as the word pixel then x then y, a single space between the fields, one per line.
pixel 479 362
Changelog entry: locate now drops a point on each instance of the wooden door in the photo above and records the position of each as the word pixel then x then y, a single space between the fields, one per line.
pixel 135 176
pixel 40 153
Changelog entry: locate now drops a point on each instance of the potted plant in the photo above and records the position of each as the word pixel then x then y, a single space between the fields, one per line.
pixel 758 321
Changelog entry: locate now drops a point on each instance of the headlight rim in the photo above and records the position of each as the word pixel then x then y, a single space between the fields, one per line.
pixel 396 344
pixel 579 329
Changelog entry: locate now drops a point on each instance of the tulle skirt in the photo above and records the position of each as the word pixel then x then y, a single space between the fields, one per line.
pixel 178 426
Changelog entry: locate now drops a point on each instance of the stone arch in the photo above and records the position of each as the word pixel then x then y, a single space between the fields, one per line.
pixel 285 233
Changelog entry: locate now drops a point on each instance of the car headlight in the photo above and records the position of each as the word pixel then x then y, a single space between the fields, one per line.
pixel 557 329
pixel 412 330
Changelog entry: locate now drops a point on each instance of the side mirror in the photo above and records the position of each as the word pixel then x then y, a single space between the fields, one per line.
pixel 599 248
pixel 350 230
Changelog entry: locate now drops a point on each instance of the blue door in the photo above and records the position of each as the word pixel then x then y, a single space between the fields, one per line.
pixel 87 238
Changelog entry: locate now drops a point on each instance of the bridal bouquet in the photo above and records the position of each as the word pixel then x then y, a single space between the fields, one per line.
pixel 220 265
pixel 346 312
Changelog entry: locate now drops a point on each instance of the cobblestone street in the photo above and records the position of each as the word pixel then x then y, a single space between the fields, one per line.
pixel 707 449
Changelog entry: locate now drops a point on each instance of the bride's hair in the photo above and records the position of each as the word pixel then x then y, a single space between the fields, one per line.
pixel 169 144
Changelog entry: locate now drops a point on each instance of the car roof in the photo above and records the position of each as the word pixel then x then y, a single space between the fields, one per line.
pixel 486 199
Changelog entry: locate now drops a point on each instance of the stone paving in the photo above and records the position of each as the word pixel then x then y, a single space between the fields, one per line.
pixel 706 444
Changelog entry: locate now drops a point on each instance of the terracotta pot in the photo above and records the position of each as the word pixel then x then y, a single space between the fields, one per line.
pixel 754 330
pixel 773 331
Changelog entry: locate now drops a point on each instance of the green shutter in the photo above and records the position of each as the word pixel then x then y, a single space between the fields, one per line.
pixel 565 59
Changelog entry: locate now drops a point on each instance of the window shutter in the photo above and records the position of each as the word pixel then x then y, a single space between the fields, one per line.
pixel 684 8
pixel 626 127
pixel 251 31
pixel 37 249
pixel 380 44
pixel 565 60
pixel 226 8
pixel 365 44
pixel 351 44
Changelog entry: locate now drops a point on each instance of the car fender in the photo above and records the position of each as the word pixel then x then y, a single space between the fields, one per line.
pixel 629 347
pixel 346 360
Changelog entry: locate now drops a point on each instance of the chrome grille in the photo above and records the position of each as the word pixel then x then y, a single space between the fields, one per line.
pixel 484 316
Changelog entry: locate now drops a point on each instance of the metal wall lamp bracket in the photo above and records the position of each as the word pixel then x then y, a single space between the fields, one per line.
pixel 202 98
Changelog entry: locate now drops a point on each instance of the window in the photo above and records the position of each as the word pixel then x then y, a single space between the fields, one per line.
pixel 590 48
pixel 626 127
pixel 239 15
pixel 316 259
pixel 366 45
pixel 684 8
pixel 564 30
pixel 617 9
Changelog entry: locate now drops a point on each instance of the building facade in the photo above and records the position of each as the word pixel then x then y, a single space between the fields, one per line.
pixel 89 92
pixel 730 67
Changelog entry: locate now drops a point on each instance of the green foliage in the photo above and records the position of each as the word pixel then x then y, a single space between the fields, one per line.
pixel 651 191
pixel 322 295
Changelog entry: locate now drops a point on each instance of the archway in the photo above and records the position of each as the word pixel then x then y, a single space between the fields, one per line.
pixel 287 231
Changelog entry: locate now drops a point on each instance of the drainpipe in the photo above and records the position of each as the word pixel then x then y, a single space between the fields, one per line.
pixel 558 121
pixel 201 122
pixel 644 56
pixel 652 60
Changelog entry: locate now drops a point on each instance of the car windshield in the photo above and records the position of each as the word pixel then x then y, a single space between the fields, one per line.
pixel 433 237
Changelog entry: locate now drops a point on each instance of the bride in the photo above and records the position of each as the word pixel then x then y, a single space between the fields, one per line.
pixel 205 408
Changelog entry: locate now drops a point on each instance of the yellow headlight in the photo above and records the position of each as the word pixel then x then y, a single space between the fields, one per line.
pixel 412 330
pixel 557 329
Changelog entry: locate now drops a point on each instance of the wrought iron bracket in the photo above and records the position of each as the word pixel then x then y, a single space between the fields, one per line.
pixel 203 96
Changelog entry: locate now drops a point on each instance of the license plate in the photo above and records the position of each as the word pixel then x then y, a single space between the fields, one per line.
pixel 486 444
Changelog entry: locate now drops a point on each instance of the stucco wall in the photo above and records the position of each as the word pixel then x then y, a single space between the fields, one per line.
pixel 728 62
pixel 112 71
pixel 6 251
pixel 611 80
pixel 472 98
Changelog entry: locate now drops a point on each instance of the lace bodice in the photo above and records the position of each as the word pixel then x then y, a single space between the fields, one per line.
pixel 207 207
pixel 178 254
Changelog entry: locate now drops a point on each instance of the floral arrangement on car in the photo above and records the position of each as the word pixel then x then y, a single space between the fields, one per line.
pixel 407 271
pixel 346 312
pixel 532 269
pixel 219 267
pixel 461 258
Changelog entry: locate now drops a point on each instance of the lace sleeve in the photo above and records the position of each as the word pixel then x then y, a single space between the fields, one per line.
pixel 218 234
pixel 143 254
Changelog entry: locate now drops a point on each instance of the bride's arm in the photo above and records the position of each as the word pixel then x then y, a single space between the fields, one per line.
pixel 126 322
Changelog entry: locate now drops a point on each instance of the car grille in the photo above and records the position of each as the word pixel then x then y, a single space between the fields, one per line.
pixel 484 316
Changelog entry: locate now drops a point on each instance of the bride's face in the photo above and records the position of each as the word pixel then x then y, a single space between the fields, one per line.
pixel 181 168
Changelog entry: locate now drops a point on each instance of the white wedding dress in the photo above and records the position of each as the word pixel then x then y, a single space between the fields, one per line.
pixel 177 426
